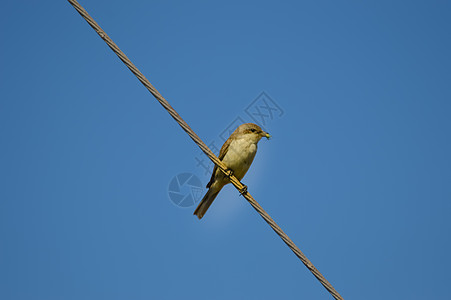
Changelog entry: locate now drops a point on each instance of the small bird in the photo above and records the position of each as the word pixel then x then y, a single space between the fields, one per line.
pixel 237 154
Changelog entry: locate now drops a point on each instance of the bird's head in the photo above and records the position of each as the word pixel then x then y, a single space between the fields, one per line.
pixel 251 131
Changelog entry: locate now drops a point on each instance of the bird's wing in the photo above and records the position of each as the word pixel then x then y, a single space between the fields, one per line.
pixel 222 153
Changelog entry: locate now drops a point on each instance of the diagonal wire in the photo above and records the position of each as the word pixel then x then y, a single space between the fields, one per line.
pixel 204 148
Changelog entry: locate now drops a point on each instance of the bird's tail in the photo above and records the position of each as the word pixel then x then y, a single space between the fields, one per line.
pixel 205 203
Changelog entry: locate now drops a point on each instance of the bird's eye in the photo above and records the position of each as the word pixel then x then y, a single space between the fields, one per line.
pixel 253 130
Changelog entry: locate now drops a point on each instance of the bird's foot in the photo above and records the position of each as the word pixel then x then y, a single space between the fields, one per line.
pixel 229 173
pixel 243 190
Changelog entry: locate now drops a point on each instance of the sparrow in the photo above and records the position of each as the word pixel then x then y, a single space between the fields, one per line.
pixel 237 154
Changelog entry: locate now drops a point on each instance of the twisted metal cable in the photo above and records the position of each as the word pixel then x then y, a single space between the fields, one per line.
pixel 204 148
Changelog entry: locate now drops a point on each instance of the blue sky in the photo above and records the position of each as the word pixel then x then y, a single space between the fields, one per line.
pixel 357 174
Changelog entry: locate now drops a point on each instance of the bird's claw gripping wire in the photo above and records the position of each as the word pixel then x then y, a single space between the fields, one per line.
pixel 243 190
pixel 229 173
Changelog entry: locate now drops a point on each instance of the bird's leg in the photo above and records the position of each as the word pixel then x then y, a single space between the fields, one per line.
pixel 243 190
pixel 230 174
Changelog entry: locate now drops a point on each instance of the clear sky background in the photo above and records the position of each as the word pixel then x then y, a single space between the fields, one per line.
pixel 357 174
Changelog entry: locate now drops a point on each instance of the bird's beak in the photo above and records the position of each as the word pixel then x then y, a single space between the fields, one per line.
pixel 267 135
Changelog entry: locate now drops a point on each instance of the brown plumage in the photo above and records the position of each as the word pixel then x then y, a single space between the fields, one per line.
pixel 237 153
